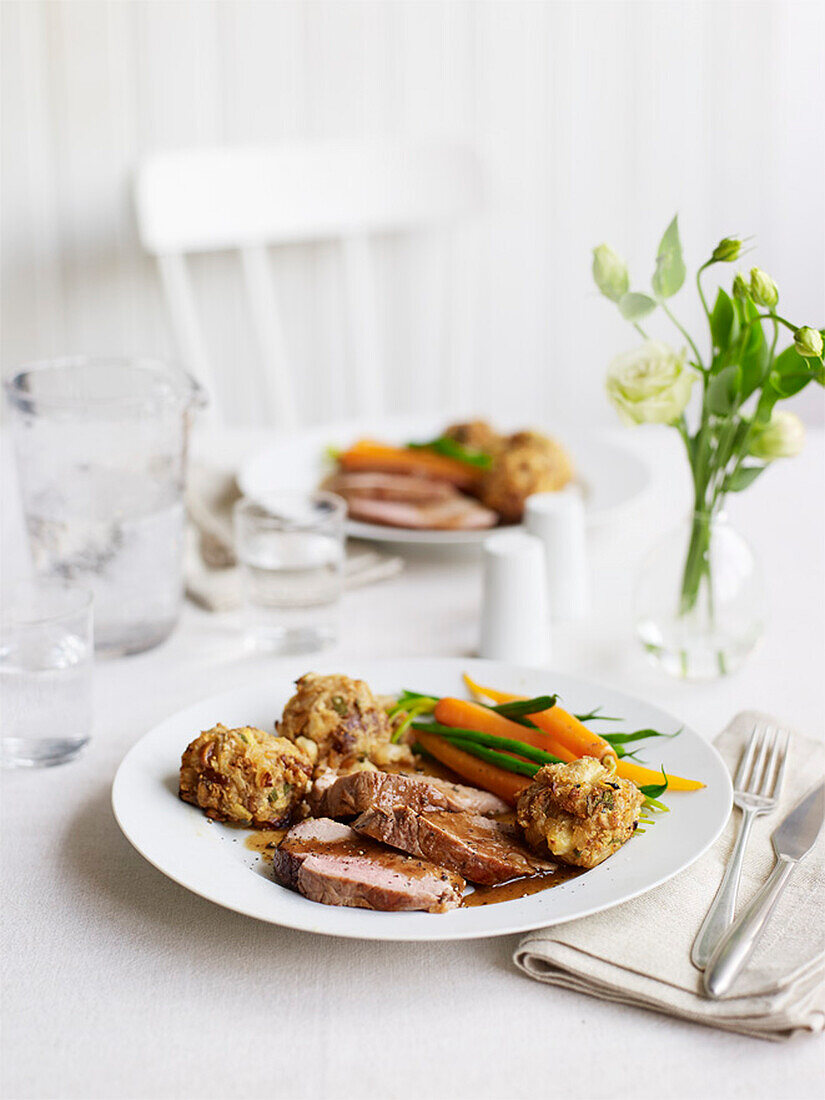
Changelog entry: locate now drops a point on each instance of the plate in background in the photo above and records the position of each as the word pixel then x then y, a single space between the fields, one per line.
pixel 612 477
pixel 211 859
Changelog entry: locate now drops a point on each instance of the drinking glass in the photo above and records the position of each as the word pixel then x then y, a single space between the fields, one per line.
pixel 101 447
pixel 290 549
pixel 46 654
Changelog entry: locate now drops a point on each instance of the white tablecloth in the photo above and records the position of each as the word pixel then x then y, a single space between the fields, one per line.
pixel 118 983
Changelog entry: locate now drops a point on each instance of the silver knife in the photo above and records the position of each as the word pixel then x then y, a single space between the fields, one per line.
pixel 792 840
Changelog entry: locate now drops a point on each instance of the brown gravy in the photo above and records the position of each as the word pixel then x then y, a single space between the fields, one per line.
pixel 263 841
pixel 521 887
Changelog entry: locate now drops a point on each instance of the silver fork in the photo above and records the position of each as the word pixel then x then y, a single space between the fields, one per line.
pixel 755 791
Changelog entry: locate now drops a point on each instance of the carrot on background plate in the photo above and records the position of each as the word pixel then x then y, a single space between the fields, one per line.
pixel 369 454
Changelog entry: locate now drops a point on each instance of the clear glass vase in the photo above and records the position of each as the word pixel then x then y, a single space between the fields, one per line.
pixel 699 603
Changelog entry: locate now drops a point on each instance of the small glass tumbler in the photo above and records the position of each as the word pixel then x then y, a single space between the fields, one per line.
pixel 46 653
pixel 290 549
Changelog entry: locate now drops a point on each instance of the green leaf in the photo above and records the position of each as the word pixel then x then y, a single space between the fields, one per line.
pixel 740 479
pixel 754 361
pixel 724 323
pixel 670 266
pixel 723 391
pixel 633 307
pixel 791 373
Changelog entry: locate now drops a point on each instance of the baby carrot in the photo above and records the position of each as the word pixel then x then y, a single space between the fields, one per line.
pixel 367 454
pixel 507 785
pixel 626 769
pixel 565 729
pixel 466 715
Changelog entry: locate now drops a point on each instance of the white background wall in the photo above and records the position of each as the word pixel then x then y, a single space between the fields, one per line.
pixel 595 120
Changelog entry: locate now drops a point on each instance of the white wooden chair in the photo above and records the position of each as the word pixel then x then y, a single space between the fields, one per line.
pixel 247 199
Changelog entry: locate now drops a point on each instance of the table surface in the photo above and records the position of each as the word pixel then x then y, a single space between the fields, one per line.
pixel 119 983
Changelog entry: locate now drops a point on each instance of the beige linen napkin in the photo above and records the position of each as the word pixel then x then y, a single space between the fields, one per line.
pixel 212 579
pixel 639 953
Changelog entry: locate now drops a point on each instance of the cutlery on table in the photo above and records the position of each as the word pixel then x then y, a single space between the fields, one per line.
pixel 792 840
pixel 756 790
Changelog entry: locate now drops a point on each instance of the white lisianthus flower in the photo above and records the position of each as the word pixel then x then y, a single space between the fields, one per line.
pixel 782 437
pixel 650 385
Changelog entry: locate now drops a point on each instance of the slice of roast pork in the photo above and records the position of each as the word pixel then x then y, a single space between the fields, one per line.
pixel 478 849
pixel 330 863
pixel 457 514
pixel 350 795
pixel 378 486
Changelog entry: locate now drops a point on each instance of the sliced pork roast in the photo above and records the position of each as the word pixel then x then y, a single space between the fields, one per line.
pixel 330 863
pixel 350 795
pixel 380 486
pixel 480 850
pixel 458 513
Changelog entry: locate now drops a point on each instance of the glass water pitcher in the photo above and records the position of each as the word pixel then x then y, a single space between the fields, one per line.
pixel 101 451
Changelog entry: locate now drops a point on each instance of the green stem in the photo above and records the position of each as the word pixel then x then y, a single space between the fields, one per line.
pixel 640 330
pixel 775 317
pixel 685 333
pixel 699 288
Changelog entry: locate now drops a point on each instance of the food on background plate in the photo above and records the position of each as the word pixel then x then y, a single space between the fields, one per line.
pixel 528 463
pixel 580 812
pixel 469 478
pixel 413 837
pixel 245 775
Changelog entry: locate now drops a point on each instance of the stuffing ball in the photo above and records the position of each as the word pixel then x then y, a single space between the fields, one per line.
pixel 340 724
pixel 245 775
pixel 581 813
pixel 528 463
pixel 477 435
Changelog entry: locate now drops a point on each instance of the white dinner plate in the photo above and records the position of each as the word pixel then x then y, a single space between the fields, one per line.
pixel 213 861
pixel 611 476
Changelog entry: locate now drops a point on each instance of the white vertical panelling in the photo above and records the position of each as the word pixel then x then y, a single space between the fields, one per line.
pixel 596 121
pixel 34 313
pixel 513 137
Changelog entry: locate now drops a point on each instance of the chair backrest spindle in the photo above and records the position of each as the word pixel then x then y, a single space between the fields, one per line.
pixel 242 199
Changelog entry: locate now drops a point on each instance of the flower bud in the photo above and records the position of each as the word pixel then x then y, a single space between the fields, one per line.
pixel 741 290
pixel 782 437
pixel 808 342
pixel 610 272
pixel 764 290
pixel 726 251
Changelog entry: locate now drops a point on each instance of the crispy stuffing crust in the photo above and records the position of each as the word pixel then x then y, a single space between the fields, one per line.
pixel 528 463
pixel 580 813
pixel 245 775
pixel 340 724
pixel 476 434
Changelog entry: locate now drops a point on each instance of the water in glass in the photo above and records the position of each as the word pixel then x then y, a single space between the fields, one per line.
pixel 291 558
pixel 101 449
pixel 46 658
